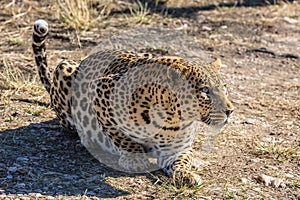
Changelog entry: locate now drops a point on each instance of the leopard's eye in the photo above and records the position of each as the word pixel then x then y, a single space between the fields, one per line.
pixel 204 90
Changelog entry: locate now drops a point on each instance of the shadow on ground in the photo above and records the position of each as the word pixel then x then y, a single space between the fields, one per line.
pixel 41 158
pixel 192 11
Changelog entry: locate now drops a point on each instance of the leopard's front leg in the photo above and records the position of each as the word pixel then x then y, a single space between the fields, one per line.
pixel 178 167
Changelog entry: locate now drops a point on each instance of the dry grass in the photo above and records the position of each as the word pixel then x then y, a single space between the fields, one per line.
pixel 83 14
pixel 278 149
pixel 140 13
pixel 15 81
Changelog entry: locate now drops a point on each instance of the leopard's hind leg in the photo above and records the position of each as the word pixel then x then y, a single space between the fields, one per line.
pixel 61 93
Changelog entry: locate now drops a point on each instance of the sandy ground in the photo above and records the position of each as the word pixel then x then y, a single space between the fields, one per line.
pixel 255 157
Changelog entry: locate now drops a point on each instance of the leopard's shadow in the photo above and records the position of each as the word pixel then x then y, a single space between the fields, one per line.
pixel 43 158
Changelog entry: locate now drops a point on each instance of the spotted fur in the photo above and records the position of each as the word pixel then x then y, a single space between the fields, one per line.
pixel 135 105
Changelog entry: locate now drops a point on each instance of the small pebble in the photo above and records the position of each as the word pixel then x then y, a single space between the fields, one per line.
pixel 9 176
pixel 25 159
pixel 90 194
pixel 12 169
pixel 244 180
pixel 44 149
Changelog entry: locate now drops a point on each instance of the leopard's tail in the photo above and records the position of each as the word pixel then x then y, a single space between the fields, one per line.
pixel 39 35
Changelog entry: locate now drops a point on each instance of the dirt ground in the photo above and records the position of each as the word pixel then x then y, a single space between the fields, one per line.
pixel 255 157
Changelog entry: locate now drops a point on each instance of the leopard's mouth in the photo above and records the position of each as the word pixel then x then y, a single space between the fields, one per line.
pixel 215 119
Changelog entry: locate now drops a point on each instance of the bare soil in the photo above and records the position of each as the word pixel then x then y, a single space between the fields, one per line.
pixel 260 50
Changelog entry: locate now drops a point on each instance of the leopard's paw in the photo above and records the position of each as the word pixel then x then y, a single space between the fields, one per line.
pixel 182 178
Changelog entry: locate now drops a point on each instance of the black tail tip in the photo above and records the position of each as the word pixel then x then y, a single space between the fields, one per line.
pixel 41 27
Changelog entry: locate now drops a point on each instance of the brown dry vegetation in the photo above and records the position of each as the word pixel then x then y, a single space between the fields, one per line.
pixel 260 49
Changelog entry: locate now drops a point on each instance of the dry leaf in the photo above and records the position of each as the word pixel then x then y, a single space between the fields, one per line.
pixel 271 181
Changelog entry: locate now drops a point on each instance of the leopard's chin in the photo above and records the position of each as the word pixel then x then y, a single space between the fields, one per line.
pixel 216 126
pixel 214 130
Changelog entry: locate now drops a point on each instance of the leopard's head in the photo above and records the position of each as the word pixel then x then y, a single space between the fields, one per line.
pixel 211 92
pixel 206 97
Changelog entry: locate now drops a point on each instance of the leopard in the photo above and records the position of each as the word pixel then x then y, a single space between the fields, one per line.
pixel 136 105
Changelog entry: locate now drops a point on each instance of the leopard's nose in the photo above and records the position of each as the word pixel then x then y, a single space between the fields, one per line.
pixel 229 111
pixel 229 108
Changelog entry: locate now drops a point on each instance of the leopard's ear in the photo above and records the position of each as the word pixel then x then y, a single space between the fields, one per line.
pixel 217 64
pixel 183 71
pixel 176 73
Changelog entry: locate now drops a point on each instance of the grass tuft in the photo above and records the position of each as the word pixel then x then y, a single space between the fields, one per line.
pixel 13 80
pixel 140 13
pixel 83 14
pixel 276 149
